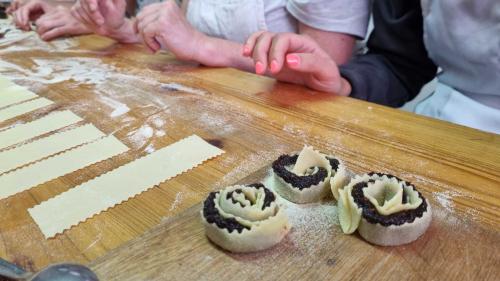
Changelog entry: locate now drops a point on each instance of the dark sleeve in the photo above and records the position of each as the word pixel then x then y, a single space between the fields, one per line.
pixel 396 65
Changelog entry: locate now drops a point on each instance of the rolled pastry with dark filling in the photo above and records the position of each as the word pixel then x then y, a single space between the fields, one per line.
pixel 244 218
pixel 306 177
pixel 384 209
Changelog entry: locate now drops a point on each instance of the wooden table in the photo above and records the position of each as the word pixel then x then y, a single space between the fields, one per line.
pixel 127 92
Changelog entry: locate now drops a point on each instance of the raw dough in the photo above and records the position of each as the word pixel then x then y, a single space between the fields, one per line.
pixel 20 109
pixel 244 218
pixel 392 211
pixel 121 184
pixel 39 149
pixel 59 165
pixel 13 93
pixel 49 123
pixel 308 178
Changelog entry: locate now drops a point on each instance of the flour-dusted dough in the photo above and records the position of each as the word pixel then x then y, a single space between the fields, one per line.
pixel 385 210
pixel 244 218
pixel 49 123
pixel 12 93
pixel 59 165
pixel 308 176
pixel 44 147
pixel 20 109
pixel 120 184
pixel 339 177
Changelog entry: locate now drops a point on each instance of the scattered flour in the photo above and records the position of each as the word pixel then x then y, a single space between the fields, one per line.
pixel 141 136
pixel 117 107
pixel 150 149
pixel 182 88
pixel 178 200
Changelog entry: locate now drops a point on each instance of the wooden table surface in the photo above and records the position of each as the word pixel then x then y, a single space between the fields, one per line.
pixel 126 91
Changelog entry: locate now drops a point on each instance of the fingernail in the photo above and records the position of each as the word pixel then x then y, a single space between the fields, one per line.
pixel 259 68
pixel 293 60
pixel 246 50
pixel 274 66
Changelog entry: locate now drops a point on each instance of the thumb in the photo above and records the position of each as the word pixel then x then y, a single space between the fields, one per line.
pixel 324 70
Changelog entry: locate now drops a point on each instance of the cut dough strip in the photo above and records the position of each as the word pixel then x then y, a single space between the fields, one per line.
pixel 117 186
pixel 38 127
pixel 20 109
pixel 13 93
pixel 59 165
pixel 39 149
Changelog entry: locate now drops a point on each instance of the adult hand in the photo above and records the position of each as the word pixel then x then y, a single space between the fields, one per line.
pixel 59 22
pixel 164 25
pixel 14 5
pixel 104 17
pixel 295 58
pixel 30 11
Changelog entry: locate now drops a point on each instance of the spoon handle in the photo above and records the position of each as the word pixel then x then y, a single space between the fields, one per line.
pixel 12 271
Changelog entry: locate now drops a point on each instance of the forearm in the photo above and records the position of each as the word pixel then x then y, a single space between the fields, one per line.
pixel 222 53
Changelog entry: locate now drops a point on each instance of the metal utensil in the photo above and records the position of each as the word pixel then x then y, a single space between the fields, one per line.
pixel 56 272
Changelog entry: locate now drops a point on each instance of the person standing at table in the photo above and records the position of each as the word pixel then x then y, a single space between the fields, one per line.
pixel 211 32
pixel 410 40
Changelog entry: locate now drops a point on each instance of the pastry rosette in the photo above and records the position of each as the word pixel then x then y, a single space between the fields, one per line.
pixel 244 218
pixel 384 209
pixel 307 177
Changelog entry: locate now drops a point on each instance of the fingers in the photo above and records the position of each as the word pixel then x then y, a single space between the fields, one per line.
pixel 149 36
pixel 79 13
pixel 321 67
pixel 260 51
pixel 250 43
pixel 91 11
pixel 55 33
pixel 48 22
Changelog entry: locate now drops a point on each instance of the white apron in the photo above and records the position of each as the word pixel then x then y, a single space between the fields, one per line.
pixel 463 38
pixel 235 20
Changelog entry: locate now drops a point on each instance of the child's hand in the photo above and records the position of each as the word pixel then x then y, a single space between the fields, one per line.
pixel 295 58
pixel 59 22
pixel 164 25
pixel 30 11
pixel 104 17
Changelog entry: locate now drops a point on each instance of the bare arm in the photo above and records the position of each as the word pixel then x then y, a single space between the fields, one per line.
pixel 338 46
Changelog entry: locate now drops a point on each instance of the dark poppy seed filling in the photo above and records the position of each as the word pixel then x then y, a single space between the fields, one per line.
pixel 212 215
pixel 371 214
pixel 334 163
pixel 268 198
pixel 300 182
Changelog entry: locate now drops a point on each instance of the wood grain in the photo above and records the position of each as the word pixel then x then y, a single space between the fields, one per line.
pixel 254 119
pixel 451 249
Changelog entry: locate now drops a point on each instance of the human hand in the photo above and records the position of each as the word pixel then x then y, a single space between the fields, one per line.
pixel 164 25
pixel 14 5
pixel 104 17
pixel 295 58
pixel 59 22
pixel 30 11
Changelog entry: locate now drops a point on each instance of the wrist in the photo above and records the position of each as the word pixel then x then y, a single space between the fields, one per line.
pixel 124 33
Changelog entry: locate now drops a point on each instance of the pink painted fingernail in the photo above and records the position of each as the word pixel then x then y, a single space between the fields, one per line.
pixel 246 50
pixel 293 60
pixel 259 68
pixel 274 66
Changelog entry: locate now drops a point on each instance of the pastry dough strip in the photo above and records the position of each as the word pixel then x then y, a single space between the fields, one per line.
pixel 20 109
pixel 38 127
pixel 112 188
pixel 39 149
pixel 59 165
pixel 13 93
